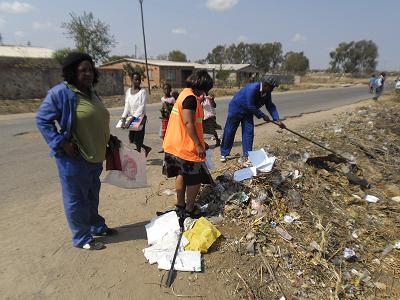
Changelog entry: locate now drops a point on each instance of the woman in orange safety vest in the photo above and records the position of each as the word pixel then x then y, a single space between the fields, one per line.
pixel 184 144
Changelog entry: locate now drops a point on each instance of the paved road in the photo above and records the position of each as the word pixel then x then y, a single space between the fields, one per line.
pixel 27 171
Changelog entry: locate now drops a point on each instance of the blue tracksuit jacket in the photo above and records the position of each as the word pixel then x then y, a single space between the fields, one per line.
pixel 246 103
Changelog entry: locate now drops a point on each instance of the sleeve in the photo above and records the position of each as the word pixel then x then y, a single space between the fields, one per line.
pixel 270 106
pixel 49 112
pixel 126 108
pixel 142 100
pixel 250 98
pixel 190 103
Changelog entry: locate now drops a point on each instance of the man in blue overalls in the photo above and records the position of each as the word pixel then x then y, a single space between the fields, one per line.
pixel 246 103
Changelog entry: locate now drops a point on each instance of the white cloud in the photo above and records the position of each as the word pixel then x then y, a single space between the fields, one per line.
pixel 19 33
pixel 298 38
pixel 221 5
pixel 241 38
pixel 15 7
pixel 179 30
pixel 42 25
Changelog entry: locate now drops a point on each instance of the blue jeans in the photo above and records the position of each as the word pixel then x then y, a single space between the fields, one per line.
pixel 231 125
pixel 80 183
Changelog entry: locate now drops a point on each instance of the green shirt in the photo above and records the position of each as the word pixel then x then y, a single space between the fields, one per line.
pixel 90 129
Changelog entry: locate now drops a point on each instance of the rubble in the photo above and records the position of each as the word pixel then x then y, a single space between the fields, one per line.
pixel 323 228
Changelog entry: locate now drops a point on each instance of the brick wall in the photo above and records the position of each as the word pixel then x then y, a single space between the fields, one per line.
pixel 33 83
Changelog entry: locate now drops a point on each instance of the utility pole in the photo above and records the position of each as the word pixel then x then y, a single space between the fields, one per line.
pixel 144 41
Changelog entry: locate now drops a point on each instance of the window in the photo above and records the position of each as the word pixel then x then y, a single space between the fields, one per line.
pixel 169 74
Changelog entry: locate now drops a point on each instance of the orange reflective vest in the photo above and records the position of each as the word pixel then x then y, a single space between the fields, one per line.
pixel 177 140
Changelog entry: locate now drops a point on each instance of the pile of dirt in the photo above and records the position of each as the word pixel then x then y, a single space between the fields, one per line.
pixel 315 227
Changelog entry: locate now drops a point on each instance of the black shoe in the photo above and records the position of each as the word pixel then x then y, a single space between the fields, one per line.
pixel 93 245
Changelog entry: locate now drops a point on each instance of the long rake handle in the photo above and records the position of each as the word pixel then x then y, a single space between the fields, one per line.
pixel 171 269
pixel 311 141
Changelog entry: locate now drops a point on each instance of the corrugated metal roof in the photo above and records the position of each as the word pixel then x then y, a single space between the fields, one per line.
pixel 167 63
pixel 25 52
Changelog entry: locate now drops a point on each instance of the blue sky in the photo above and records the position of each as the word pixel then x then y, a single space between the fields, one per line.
pixel 197 26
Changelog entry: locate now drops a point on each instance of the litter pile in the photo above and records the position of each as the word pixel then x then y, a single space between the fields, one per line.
pixel 315 227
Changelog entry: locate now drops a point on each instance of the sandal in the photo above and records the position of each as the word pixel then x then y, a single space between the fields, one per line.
pixel 195 213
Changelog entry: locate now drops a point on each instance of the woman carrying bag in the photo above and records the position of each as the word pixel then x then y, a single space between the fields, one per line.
pixel 135 108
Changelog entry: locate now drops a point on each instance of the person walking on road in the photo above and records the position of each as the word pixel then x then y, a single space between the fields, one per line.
pixel 379 85
pixel 371 83
pixel 79 146
pixel 135 107
pixel 184 144
pixel 243 106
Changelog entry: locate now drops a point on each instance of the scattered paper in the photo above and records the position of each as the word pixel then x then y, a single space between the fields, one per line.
pixel 161 226
pixel 185 261
pixel 349 253
pixel 169 192
pixel 371 199
pixel 397 245
pixel 245 173
pixel 283 233
pixel 261 161
pixel 396 199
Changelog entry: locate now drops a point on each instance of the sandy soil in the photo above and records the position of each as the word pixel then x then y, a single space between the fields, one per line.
pixel 38 261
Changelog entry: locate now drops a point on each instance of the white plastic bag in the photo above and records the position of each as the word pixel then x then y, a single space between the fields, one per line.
pixel 133 174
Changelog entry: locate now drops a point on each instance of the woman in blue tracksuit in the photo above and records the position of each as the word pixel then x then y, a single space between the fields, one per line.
pixel 246 103
pixel 79 146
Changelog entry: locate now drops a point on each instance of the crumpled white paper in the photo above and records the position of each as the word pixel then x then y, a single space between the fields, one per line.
pixel 163 235
pixel 261 161
pixel 185 261
pixel 245 173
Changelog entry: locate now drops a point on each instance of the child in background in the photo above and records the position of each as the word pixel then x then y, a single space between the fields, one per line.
pixel 210 124
pixel 167 102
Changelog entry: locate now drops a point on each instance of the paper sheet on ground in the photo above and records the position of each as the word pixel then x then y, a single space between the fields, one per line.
pixel 163 234
pixel 245 173
pixel 209 161
pixel 185 261
pixel 261 161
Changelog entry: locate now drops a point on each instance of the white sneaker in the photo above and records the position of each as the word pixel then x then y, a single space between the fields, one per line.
pixel 93 246
pixel 222 158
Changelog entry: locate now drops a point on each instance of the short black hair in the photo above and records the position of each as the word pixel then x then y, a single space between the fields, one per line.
pixel 200 80
pixel 70 66
pixel 137 74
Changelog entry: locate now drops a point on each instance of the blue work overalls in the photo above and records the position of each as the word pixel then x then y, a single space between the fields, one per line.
pixel 79 179
pixel 246 103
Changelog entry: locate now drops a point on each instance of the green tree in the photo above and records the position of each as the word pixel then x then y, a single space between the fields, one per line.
pixel 90 35
pixel 295 62
pixel 131 69
pixel 60 54
pixel 176 55
pixel 217 55
pixel 354 57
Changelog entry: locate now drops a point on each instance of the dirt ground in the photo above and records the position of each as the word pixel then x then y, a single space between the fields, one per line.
pixel 38 261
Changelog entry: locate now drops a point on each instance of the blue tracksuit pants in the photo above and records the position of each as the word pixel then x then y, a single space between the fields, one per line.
pixel 231 125
pixel 80 183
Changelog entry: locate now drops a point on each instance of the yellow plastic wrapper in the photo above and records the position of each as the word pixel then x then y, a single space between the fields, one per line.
pixel 201 236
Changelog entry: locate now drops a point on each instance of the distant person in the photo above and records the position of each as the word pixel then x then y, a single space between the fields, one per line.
pixel 79 146
pixel 244 105
pixel 372 83
pixel 184 145
pixel 135 107
pixel 167 102
pixel 379 85
pixel 210 124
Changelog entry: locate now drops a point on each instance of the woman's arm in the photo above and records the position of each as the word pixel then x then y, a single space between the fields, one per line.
pixel 126 107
